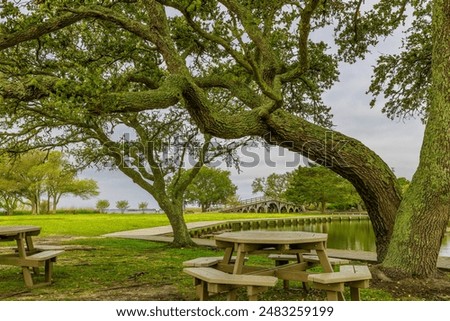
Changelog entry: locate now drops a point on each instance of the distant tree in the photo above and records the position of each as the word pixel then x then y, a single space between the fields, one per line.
pixel 319 185
pixel 142 206
pixel 233 200
pixel 10 189
pixel 30 171
pixel 84 188
pixel 25 179
pixel 404 184
pixel 122 205
pixel 211 186
pixel 274 186
pixel 102 205
pixel 9 196
pixel 61 180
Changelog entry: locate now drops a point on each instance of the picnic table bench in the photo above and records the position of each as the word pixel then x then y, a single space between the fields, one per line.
pixel 355 276
pixel 310 259
pixel 210 280
pixel 208 261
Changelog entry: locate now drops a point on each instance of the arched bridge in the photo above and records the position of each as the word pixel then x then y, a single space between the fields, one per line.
pixel 262 205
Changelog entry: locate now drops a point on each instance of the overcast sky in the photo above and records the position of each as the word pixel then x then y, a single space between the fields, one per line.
pixel 396 142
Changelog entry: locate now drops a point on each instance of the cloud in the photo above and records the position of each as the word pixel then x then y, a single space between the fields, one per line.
pixel 396 141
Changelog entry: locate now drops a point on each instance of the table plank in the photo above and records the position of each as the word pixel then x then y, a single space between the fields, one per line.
pixel 13 230
pixel 270 237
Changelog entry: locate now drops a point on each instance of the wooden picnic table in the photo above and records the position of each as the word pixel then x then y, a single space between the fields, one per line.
pixel 246 242
pixel 227 273
pixel 25 254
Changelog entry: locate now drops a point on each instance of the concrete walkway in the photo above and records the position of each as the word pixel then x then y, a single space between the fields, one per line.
pixel 159 234
pixel 160 230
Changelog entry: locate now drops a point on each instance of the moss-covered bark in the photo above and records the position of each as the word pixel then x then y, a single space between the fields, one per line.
pixel 174 210
pixel 425 210
pixel 371 176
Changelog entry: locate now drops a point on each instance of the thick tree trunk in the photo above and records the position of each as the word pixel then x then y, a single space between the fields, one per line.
pixel 425 211
pixel 174 211
pixel 373 179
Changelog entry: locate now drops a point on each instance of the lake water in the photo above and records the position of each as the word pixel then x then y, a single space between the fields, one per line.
pixel 351 235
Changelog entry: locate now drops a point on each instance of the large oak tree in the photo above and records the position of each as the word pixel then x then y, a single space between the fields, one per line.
pixel 240 68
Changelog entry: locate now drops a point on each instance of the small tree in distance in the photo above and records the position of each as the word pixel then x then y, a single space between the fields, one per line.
pixel 122 206
pixel 318 184
pixel 211 186
pixel 274 186
pixel 142 206
pixel 102 205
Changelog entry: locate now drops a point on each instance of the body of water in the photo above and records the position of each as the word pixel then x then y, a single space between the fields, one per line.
pixel 350 235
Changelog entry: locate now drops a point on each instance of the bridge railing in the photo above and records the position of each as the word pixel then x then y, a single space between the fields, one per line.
pixel 245 202
pixel 254 200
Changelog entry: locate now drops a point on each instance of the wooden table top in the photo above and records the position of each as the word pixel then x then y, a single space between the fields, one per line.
pixel 271 237
pixel 11 230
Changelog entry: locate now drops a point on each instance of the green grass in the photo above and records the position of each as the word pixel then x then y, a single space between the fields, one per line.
pixel 101 268
pixel 97 268
pixel 85 224
pixel 99 224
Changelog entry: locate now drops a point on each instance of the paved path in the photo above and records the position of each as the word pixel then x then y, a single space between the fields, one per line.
pixel 158 234
pixel 160 230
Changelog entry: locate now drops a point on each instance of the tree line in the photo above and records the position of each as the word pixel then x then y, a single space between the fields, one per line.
pixel 122 205
pixel 38 179
pixel 314 187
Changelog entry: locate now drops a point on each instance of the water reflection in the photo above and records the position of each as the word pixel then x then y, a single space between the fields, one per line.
pixel 350 235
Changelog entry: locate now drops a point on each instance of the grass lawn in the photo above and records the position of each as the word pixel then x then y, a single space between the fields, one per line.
pixel 98 268
pixel 99 224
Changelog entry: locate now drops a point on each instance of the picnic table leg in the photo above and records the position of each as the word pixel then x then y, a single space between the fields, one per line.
pixel 279 263
pixel 227 255
pixel 48 270
pixel 240 258
pixel 27 276
pixel 201 289
pixel 323 258
pixel 300 259
pixel 355 294
pixel 25 270
pixel 30 245
pixel 254 291
pixel 21 247
pixel 31 249
pixel 332 296
pixel 232 295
